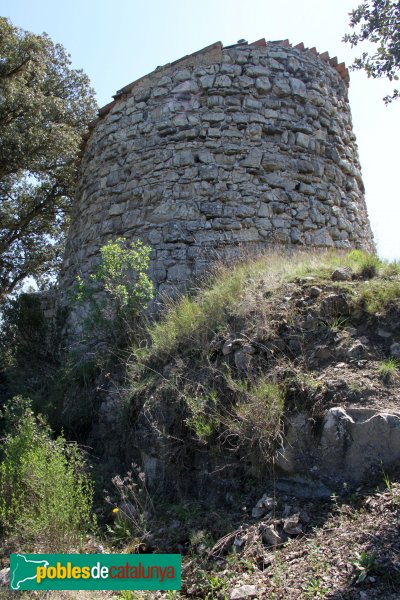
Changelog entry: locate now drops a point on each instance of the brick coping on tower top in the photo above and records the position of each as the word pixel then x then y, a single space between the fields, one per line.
pixel 123 92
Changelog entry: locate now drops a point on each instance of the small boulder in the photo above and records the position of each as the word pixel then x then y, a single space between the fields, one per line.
pixel 292 526
pixel 267 502
pixel 232 344
pixel 270 536
pixel 263 505
pixel 304 517
pixel 395 350
pixel 335 305
pixel 356 352
pixel 322 353
pixel 238 543
pixel 242 360
pixel 303 487
pixel 243 592
pixel 383 333
pixel 315 291
pixel 5 577
pixel 310 322
pixel 257 512
pixel 342 274
pixel 227 347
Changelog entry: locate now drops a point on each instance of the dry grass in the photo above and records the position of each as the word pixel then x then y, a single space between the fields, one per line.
pixel 240 291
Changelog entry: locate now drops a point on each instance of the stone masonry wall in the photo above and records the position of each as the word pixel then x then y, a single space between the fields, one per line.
pixel 225 150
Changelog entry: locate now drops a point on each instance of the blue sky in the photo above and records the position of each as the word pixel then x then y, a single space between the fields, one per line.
pixel 117 42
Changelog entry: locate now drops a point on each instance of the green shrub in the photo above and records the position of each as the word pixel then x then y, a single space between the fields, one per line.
pixel 388 369
pixel 366 265
pixel 203 416
pixel 118 290
pixel 114 298
pixel 45 493
pixel 254 422
pixel 376 295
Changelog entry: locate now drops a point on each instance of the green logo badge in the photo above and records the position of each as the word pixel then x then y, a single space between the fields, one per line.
pixel 95 571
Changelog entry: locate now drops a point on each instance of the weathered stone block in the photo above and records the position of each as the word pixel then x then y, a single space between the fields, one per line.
pixel 253 159
pixel 281 88
pixel 189 86
pixel 263 85
pixel 302 140
pixel 207 81
pixel 298 87
pixel 223 81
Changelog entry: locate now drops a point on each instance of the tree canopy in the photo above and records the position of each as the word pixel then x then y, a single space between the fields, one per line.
pixel 377 21
pixel 44 110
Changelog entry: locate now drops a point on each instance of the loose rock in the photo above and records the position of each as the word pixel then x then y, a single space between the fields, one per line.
pixel 342 274
pixel 5 577
pixel 243 592
pixel 292 526
pixel 270 536
pixel 395 350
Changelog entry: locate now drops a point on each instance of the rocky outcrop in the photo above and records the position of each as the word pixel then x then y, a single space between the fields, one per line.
pixel 221 153
pixel 352 444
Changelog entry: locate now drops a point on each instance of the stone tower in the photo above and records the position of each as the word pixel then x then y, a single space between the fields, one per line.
pixel 222 151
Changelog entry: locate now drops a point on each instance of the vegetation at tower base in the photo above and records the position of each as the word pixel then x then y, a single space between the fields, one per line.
pixel 45 492
pixel 62 383
pixel 45 107
pixel 378 21
pixel 30 352
pixel 118 291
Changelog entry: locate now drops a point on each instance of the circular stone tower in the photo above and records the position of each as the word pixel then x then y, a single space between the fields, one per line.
pixel 225 150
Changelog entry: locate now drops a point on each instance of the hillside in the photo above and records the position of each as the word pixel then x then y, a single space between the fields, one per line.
pixel 263 412
pixel 226 373
pixel 227 369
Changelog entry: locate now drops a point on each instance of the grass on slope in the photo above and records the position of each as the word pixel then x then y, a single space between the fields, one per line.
pixel 233 291
pixel 228 359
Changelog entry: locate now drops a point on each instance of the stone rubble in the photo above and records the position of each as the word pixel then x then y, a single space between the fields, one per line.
pixel 264 505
